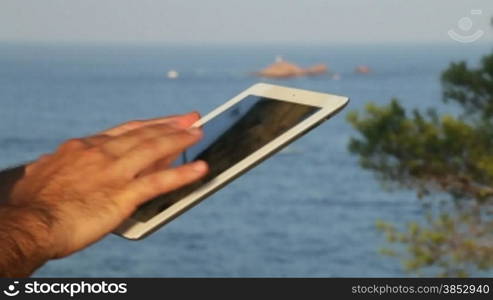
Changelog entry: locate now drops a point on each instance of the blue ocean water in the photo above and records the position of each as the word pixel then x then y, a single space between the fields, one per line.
pixel 317 221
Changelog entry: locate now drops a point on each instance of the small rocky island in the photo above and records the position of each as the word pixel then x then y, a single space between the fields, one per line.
pixel 362 69
pixel 285 69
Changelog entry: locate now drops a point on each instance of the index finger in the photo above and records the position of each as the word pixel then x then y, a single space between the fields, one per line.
pixel 150 151
pixel 185 121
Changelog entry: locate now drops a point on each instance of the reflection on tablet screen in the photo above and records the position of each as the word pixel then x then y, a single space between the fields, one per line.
pixel 230 137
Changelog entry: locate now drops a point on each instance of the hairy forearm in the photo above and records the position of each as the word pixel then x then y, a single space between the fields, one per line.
pixel 24 239
pixel 8 178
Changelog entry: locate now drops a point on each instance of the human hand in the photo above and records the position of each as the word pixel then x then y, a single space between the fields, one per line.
pixel 88 186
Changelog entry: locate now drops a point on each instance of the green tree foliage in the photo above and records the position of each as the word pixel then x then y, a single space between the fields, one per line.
pixel 446 156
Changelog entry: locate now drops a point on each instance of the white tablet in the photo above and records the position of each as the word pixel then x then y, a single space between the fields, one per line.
pixel 238 135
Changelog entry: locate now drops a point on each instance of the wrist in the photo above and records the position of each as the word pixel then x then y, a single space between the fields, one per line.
pixel 26 230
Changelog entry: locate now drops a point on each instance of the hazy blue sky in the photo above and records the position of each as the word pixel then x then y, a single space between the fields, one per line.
pixel 232 21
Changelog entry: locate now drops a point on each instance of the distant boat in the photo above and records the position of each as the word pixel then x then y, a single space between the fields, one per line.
pixel 172 74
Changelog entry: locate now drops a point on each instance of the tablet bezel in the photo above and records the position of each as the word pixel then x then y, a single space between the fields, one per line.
pixel 329 105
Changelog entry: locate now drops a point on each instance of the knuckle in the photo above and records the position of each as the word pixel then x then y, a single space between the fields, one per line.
pixel 121 172
pixel 151 145
pixel 44 157
pixel 97 139
pixel 95 153
pixel 72 144
pixel 133 124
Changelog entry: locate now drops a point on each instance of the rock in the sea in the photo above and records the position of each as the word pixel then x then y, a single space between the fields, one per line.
pixel 316 69
pixel 285 69
pixel 362 69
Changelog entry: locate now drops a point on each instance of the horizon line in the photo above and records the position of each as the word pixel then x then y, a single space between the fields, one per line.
pixel 483 42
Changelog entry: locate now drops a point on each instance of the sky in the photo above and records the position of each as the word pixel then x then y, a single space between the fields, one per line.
pixel 238 22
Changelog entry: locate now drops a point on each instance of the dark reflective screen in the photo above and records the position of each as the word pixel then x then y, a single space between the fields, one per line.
pixel 229 138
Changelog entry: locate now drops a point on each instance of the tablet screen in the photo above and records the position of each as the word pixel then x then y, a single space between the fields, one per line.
pixel 230 137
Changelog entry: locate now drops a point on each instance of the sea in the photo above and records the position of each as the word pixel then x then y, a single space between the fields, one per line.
pixel 306 212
